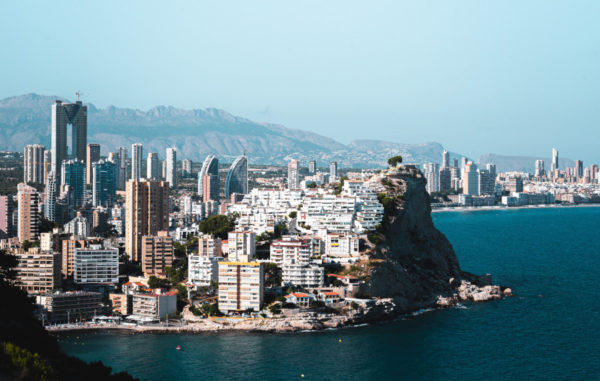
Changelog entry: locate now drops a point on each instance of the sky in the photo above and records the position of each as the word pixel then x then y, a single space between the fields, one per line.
pixel 513 77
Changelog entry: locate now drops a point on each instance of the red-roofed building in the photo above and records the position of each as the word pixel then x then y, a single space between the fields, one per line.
pixel 299 298
pixel 328 297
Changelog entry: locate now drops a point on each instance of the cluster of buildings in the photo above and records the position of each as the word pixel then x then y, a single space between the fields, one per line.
pixel 79 218
pixel 472 186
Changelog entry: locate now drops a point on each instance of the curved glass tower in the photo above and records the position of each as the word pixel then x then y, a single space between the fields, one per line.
pixel 210 166
pixel 237 177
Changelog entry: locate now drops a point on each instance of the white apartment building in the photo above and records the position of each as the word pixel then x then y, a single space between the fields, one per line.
pixel 202 270
pixel 290 249
pixel 241 246
pixel 341 245
pixel 241 286
pixel 95 265
pixel 155 306
pixel 209 246
pixel 302 275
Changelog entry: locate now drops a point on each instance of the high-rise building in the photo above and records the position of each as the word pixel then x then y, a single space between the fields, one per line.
pixel 578 169
pixel 293 174
pixel 47 164
pixel 33 166
pixel 122 169
pixel 471 179
pixel 64 114
pixel 211 188
pixel 445 179
pixel 593 172
pixel 241 246
pixel 515 184
pixel 93 155
pixel 153 166
pixel 137 151
pixel 432 175
pixel 164 169
pixel 333 172
pixel 455 163
pixel 312 168
pixel 445 159
pixel 104 185
pixel 6 216
pixel 290 249
pixel 209 246
pixel 73 175
pixel 539 168
pixel 95 265
pixel 554 165
pixel 210 166
pixel 51 197
pixel 241 286
pixel 146 213
pixel 487 182
pixel 37 272
pixel 171 167
pixel 237 177
pixel 157 253
pixel 186 168
pixel 463 166
pixel 29 220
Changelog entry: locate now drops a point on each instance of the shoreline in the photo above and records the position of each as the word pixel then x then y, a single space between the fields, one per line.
pixel 502 207
pixel 383 310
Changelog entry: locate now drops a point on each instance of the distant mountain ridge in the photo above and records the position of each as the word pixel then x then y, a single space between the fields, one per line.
pixel 197 133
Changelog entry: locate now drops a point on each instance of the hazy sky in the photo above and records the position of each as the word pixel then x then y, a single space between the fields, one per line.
pixel 512 77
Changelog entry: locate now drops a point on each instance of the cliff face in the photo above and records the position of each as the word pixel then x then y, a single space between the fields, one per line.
pixel 415 265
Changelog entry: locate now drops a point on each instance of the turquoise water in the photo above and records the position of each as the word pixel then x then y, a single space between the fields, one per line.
pixel 550 330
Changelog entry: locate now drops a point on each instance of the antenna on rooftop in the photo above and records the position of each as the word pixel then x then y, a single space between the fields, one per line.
pixel 78 94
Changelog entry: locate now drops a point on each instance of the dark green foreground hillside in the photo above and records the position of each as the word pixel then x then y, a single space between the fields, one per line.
pixel 27 351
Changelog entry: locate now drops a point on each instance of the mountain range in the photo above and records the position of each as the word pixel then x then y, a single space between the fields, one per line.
pixel 196 133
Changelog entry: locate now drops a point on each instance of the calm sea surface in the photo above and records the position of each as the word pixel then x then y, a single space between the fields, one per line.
pixel 550 330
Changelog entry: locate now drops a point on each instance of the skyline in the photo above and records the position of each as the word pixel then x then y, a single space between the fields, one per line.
pixel 478 78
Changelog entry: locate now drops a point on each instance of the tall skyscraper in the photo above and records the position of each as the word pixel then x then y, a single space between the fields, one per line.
pixel 171 160
pixel 104 185
pixel 463 166
pixel 73 175
pixel 51 196
pixel 487 180
pixel 471 179
pixel 211 188
pixel 333 171
pixel 33 166
pixel 237 177
pixel 210 166
pixel 539 168
pixel 6 216
pixel 312 168
pixel 47 164
pixel 29 221
pixel 445 179
pixel 593 172
pixel 186 168
pixel 136 161
pixel 578 169
pixel 554 165
pixel 122 168
pixel 445 159
pixel 293 174
pixel 63 114
pixel 455 163
pixel 146 213
pixel 153 166
pixel 431 174
pixel 93 155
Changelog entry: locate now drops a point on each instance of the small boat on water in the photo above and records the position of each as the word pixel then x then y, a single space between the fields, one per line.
pixel 178 348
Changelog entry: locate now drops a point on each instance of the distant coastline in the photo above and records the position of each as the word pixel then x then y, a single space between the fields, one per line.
pixel 502 207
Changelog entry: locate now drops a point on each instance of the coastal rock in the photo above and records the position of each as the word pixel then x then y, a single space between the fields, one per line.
pixel 418 267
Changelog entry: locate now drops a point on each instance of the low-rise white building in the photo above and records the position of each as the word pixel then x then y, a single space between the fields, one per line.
pixel 302 275
pixel 155 306
pixel 241 286
pixel 241 246
pixel 290 249
pixel 341 245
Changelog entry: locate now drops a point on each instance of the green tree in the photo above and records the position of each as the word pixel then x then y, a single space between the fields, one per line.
pixel 395 160
pixel 218 225
pixel 293 214
pixel 155 282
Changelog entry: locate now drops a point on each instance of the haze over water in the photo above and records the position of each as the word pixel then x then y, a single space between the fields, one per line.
pixel 550 330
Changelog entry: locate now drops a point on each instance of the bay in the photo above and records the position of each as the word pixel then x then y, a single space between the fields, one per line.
pixel 549 330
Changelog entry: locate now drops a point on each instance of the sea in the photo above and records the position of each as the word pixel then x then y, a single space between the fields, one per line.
pixel 549 330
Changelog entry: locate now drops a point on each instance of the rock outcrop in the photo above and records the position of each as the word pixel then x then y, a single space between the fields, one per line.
pixel 417 267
